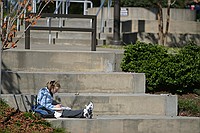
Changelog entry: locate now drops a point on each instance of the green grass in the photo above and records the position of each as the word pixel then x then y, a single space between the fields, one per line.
pixel 191 106
pixel 112 46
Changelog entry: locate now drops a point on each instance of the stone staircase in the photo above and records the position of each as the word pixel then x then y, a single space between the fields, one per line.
pixel 62 37
pixel 120 102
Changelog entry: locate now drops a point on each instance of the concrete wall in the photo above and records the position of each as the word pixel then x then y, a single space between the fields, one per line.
pixel 172 39
pixel 73 82
pixel 108 103
pixel 151 26
pixel 142 22
pixel 130 124
pixel 137 13
pixel 59 61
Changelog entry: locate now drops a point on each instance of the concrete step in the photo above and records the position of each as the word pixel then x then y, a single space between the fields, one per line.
pixel 61 61
pixel 73 82
pixel 70 22
pixel 74 22
pixel 69 48
pixel 172 38
pixel 83 23
pixel 58 35
pixel 129 124
pixel 109 104
pixel 62 41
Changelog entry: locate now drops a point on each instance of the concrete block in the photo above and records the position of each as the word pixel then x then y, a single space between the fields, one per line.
pixel 108 104
pixel 139 13
pixel 82 82
pixel 58 35
pixel 172 38
pixel 66 22
pixel 116 104
pixel 56 41
pixel 129 124
pixel 59 61
pixel 151 26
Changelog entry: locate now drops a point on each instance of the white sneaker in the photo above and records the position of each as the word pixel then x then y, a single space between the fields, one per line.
pixel 88 110
pixel 85 113
pixel 57 114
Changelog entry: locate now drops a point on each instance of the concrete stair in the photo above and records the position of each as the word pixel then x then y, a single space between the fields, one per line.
pixel 109 103
pixel 120 102
pixel 130 124
pixel 82 82
pixel 64 37
pixel 61 61
pixel 119 98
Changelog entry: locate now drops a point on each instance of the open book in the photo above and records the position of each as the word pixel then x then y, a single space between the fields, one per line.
pixel 62 108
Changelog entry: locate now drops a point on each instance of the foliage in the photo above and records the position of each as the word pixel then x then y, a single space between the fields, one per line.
pixel 141 3
pixel 15 121
pixel 9 27
pixel 189 106
pixel 3 106
pixel 151 3
pixel 174 73
pixel 184 72
pixel 145 58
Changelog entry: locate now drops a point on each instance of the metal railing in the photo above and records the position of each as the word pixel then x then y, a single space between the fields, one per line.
pixel 93 29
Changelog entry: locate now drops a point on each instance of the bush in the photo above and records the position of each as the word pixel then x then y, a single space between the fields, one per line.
pixel 183 71
pixel 174 73
pixel 148 59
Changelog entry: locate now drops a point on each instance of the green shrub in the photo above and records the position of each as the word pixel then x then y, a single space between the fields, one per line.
pixel 145 58
pixel 174 73
pixel 183 70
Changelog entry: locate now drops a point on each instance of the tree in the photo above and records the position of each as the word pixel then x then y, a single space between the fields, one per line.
pixel 8 24
pixel 163 35
pixel 159 4
pixel 9 27
pixel 150 3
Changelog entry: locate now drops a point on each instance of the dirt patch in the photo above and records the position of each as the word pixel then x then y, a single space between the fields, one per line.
pixel 189 105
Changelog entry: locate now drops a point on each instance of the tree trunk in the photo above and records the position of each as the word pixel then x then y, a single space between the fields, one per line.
pixel 167 22
pixel 160 24
pixel 1 22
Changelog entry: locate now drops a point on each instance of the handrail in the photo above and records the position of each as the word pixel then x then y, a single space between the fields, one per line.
pixel 57 7
pixel 93 29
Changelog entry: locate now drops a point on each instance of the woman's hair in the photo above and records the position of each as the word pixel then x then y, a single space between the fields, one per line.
pixel 52 84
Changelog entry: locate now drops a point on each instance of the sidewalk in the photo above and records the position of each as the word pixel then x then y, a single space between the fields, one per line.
pixel 65 47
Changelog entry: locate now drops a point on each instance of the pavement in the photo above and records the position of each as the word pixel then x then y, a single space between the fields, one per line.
pixel 67 47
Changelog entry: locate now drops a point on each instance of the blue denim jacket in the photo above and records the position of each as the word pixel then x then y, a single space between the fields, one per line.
pixel 44 98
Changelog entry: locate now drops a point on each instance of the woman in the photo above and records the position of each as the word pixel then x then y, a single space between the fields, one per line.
pixel 45 100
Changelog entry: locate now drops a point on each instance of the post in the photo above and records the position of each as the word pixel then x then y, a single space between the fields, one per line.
pixel 94 40
pixel 85 7
pixel 116 32
pixel 27 35
pixel 49 25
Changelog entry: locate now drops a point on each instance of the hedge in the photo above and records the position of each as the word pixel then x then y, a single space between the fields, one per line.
pixel 174 73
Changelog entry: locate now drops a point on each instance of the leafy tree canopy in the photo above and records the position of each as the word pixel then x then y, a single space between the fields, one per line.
pixel 152 3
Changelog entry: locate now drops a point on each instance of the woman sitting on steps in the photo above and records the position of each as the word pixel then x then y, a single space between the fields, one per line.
pixel 46 108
